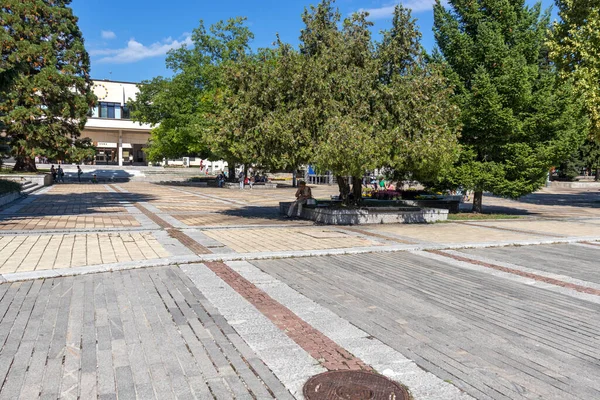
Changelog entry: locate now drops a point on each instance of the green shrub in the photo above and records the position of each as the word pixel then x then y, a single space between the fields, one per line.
pixel 7 186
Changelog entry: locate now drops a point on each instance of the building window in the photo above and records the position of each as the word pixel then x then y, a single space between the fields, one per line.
pixel 125 113
pixel 111 111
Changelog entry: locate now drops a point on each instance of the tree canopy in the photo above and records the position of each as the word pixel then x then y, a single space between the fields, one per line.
pixel 189 105
pixel 575 49
pixel 345 102
pixel 518 118
pixel 45 87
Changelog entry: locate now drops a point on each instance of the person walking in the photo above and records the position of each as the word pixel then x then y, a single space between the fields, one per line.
pixel 61 174
pixel 241 179
pixel 79 173
pixel 302 195
pixel 53 173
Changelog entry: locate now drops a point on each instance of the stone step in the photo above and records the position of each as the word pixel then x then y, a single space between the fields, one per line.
pixel 29 187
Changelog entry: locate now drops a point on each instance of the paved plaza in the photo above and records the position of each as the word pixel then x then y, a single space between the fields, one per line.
pixel 145 290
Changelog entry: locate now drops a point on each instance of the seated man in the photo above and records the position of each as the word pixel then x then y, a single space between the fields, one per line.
pixel 302 195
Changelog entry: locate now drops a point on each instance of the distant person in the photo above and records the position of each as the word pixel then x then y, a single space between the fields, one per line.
pixel 130 159
pixel 79 172
pixel 53 173
pixel 382 184
pixel 241 179
pixel 61 174
pixel 251 182
pixel 302 195
pixel 94 179
pixel 220 179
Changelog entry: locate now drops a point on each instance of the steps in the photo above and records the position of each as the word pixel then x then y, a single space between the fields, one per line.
pixel 28 187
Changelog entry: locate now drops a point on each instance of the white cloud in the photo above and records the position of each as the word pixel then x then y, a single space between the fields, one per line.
pixel 388 10
pixel 136 51
pixel 108 34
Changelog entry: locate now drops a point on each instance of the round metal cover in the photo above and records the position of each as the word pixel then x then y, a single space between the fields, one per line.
pixel 353 385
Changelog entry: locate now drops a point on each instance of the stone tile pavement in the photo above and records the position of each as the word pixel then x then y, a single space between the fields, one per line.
pixel 146 334
pixel 494 333
pixel 21 253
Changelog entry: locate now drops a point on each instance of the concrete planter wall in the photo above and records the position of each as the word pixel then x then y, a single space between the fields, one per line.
pixel 9 197
pixel 374 215
pixel 234 185
pixel 576 185
pixel 40 179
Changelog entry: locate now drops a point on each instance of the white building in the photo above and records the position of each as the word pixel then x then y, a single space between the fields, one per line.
pixel 119 140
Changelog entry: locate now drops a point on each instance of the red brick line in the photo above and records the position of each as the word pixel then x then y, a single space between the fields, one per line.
pixel 540 278
pixel 592 243
pixel 188 241
pixel 155 218
pixel 173 232
pixel 319 346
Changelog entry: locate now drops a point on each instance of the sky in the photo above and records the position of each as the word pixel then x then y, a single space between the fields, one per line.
pixel 128 40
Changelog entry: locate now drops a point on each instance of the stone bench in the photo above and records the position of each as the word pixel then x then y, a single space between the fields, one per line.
pixel 368 215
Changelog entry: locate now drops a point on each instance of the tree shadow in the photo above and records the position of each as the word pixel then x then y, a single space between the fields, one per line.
pixel 579 199
pixel 257 212
pixel 59 204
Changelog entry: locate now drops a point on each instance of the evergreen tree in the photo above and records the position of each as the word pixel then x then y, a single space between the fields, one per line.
pixel 45 88
pixel 518 120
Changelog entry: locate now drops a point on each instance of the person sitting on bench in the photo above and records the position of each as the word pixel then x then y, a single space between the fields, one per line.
pixel 302 195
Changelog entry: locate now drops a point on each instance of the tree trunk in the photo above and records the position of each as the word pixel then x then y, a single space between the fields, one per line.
pixel 357 189
pixel 295 178
pixel 231 171
pixel 597 178
pixel 25 164
pixel 478 202
pixel 344 187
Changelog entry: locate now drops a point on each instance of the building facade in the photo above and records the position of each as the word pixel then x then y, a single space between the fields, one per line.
pixel 119 140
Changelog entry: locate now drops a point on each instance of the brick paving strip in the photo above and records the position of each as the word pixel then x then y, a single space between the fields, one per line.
pixel 173 232
pixel 539 278
pixel 319 346
pixel 592 243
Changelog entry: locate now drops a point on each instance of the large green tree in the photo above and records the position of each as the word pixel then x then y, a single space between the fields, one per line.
pixel 518 118
pixel 187 108
pixel 345 102
pixel 575 49
pixel 45 87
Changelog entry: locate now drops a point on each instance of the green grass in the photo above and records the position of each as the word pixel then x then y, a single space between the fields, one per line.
pixel 473 216
pixel 9 186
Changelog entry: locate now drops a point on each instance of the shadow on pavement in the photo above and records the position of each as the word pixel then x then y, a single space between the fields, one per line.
pixel 99 202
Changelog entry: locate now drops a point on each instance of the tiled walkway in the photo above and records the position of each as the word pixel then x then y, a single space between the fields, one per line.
pixel 210 294
pixel 146 334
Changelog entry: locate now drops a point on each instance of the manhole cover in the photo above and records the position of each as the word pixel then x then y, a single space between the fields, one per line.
pixel 352 385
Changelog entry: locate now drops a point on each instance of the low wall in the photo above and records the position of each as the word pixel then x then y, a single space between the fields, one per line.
pixel 9 197
pixel 40 179
pixel 260 185
pixel 575 185
pixel 372 215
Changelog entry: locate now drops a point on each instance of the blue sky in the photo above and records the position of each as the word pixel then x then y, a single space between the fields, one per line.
pixel 128 40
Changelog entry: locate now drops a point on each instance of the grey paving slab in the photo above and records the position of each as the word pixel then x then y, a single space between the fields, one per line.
pixel 133 334
pixel 575 261
pixel 493 338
